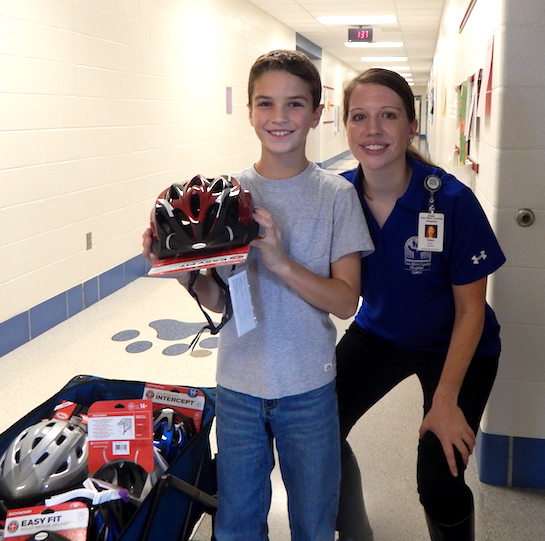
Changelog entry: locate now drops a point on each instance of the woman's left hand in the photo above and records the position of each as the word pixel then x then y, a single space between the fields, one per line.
pixel 448 423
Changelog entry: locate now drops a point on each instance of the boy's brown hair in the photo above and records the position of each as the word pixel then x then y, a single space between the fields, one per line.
pixel 293 62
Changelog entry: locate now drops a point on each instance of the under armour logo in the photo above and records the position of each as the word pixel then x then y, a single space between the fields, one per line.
pixel 477 258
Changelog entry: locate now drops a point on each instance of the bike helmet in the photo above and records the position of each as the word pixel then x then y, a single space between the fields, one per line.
pixel 47 457
pixel 132 476
pixel 171 432
pixel 107 520
pixel 202 215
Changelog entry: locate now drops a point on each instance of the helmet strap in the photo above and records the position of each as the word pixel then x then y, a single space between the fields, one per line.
pixel 228 312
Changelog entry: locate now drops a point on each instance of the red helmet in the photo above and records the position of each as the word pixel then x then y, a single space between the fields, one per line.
pixel 202 215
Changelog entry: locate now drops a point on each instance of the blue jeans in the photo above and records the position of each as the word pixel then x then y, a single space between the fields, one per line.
pixel 306 429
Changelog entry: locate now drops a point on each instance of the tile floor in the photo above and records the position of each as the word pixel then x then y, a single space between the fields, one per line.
pixel 142 332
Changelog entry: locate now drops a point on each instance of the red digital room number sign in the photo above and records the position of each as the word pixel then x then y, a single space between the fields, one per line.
pixel 360 34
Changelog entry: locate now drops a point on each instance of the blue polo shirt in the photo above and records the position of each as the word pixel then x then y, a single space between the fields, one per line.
pixel 407 294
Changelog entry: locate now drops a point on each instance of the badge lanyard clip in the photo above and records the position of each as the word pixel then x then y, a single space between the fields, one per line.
pixel 432 183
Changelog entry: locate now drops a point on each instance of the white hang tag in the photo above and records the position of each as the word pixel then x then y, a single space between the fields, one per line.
pixel 431 231
pixel 241 299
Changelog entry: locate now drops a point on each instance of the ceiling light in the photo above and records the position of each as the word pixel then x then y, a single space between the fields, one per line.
pixel 384 58
pixel 358 20
pixel 375 44
pixel 392 68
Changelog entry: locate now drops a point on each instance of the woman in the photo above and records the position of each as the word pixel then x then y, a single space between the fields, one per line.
pixel 409 278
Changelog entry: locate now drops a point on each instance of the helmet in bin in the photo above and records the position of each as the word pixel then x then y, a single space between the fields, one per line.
pixel 48 457
pixel 171 432
pixel 107 520
pixel 132 476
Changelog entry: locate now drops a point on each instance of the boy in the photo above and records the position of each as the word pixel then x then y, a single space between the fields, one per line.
pixel 277 380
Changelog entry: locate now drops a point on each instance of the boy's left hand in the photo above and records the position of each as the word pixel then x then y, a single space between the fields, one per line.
pixel 269 243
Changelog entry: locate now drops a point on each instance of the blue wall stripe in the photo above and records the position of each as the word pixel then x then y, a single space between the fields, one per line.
pixel 14 333
pixel 511 460
pixel 25 326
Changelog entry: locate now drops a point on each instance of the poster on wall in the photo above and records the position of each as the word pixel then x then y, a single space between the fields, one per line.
pixel 328 113
pixel 486 84
pixel 463 92
pixel 471 116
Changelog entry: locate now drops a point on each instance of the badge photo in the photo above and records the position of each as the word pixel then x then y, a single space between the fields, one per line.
pixel 431 231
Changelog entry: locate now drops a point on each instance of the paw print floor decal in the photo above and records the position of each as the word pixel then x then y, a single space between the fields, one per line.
pixel 170 330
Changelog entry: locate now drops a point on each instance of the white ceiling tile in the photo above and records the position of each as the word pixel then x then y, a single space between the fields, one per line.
pixel 417 27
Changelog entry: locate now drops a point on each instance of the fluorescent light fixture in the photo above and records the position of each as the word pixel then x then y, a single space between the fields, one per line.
pixel 384 58
pixel 375 44
pixel 358 20
pixel 404 75
pixel 393 68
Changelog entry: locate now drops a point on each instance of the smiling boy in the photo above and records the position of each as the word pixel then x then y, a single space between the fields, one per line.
pixel 276 382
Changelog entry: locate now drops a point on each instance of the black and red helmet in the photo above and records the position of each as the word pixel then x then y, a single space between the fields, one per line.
pixel 202 215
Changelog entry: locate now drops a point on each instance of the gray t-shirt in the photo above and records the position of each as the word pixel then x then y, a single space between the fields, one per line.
pixel 292 348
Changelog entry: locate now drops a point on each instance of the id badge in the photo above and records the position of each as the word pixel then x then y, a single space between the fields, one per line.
pixel 431 231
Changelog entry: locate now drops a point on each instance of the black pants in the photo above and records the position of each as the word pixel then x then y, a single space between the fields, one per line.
pixel 368 368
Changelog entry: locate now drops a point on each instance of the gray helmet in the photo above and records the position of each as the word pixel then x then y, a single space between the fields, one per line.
pixel 48 457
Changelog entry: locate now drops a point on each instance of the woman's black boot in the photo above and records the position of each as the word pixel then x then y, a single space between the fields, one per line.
pixel 463 531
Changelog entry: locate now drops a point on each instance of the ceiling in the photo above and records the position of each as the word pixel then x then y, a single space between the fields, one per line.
pixel 417 27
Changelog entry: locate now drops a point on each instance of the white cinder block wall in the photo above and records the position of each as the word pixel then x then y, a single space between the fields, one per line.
pixel 510 151
pixel 103 104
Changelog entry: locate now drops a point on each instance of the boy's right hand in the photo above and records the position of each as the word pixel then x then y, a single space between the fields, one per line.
pixel 147 238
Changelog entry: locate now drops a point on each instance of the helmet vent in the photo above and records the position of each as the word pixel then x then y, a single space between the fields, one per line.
pixel 218 186
pixel 42 458
pixel 195 204
pixel 63 467
pixel 179 215
pixel 173 193
pixel 210 218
